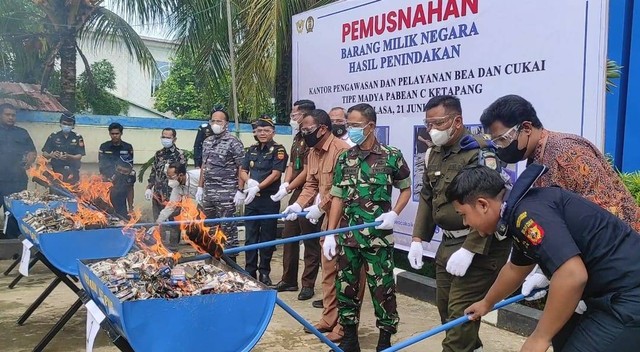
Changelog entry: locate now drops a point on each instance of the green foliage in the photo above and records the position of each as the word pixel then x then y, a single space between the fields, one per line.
pixel 181 93
pixel 632 182
pixel 93 91
pixel 613 72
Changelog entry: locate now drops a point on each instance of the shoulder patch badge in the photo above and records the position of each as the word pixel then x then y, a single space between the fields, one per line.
pixel 280 155
pixel 521 218
pixel 533 232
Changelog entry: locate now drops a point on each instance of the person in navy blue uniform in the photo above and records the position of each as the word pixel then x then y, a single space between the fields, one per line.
pixel 18 153
pixel 204 131
pixel 65 149
pixel 262 169
pixel 112 151
pixel 587 253
pixel 123 180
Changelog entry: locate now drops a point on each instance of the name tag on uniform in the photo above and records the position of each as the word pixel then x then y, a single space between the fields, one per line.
pixel 438 173
pixel 124 152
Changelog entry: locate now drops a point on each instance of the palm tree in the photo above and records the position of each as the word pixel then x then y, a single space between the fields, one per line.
pixel 62 23
pixel 262 44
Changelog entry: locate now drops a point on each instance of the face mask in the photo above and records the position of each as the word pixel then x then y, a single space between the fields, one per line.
pixel 173 183
pixel 166 142
pixel 511 154
pixel 356 135
pixel 295 126
pixel 66 129
pixel 338 130
pixel 312 138
pixel 217 129
pixel 440 138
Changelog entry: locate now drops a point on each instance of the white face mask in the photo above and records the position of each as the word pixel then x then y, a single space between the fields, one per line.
pixel 173 183
pixel 217 129
pixel 294 125
pixel 441 138
pixel 166 142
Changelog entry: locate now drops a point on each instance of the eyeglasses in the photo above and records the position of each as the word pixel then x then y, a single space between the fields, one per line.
pixel 263 131
pixel 294 114
pixel 503 140
pixel 437 122
pixel 310 130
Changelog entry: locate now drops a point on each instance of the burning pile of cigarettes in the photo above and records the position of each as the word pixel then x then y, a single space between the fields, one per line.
pixel 59 219
pixel 141 275
pixel 31 198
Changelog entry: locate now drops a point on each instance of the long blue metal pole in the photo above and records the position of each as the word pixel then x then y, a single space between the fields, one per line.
pixel 220 220
pixel 286 240
pixel 447 326
pixel 306 324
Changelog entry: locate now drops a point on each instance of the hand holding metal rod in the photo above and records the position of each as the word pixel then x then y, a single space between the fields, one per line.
pixel 286 240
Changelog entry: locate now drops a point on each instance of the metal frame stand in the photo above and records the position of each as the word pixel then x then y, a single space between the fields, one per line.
pixel 13 283
pixel 13 265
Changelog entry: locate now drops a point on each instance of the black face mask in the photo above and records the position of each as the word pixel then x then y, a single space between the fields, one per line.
pixel 312 138
pixel 338 130
pixel 511 154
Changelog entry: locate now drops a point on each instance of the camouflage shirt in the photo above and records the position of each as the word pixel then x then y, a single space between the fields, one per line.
pixel 161 161
pixel 363 179
pixel 222 156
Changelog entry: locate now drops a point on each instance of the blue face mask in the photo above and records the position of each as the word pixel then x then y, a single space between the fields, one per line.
pixel 356 135
pixel 66 129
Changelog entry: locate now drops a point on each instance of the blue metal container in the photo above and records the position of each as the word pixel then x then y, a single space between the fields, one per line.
pixel 19 208
pixel 63 249
pixel 230 322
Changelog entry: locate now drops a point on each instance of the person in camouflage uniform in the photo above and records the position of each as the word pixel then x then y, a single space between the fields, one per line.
pixel 158 191
pixel 363 179
pixel 219 188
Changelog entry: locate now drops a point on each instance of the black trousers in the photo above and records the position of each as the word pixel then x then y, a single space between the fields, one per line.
pixel 7 188
pixel 260 231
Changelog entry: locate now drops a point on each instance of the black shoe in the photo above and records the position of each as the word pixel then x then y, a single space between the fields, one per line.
pixel 317 304
pixel 306 293
pixel 283 286
pixel 265 279
pixel 350 342
pixel 384 341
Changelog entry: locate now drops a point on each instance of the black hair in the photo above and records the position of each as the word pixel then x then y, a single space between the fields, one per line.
pixel 6 106
pixel 173 130
pixel 511 110
pixel 219 108
pixel 367 111
pixel 320 117
pixel 475 181
pixel 116 126
pixel 179 167
pixel 450 103
pixel 305 105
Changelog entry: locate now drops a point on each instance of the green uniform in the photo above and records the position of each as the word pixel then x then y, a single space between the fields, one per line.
pixel 363 180
pixel 454 293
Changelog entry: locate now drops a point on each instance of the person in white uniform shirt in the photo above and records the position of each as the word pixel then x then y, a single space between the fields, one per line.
pixel 178 181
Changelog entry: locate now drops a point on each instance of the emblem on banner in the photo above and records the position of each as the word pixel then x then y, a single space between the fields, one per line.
pixel 310 24
pixel 300 26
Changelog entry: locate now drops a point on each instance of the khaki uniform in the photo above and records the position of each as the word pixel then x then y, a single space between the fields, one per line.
pixel 454 294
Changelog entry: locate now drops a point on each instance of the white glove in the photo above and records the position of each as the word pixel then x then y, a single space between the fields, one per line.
pixel 314 212
pixel 282 192
pixel 251 183
pixel 148 194
pixel 291 211
pixel 329 247
pixel 532 282
pixel 459 262
pixel 251 194
pixel 388 219
pixel 415 255
pixel 581 308
pixel 239 198
pixel 199 194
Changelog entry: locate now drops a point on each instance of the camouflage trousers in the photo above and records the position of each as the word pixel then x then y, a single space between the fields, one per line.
pixel 378 262
pixel 222 206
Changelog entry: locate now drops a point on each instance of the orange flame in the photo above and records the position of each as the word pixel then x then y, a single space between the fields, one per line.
pixel 149 240
pixel 86 217
pixel 201 237
pixel 91 188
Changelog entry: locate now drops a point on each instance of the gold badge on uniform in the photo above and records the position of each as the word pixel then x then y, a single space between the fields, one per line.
pixel 280 154
pixel 251 163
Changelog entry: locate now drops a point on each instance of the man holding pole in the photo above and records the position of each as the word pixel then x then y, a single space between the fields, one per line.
pixel 362 183
pixel 294 178
pixel 325 148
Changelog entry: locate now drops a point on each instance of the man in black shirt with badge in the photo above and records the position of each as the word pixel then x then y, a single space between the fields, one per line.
pixel 17 156
pixel 65 148
pixel 264 163
pixel 112 151
pixel 587 252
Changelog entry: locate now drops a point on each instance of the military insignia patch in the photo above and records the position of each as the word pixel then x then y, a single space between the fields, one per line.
pixel 280 154
pixel 521 218
pixel 491 163
pixel 533 232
